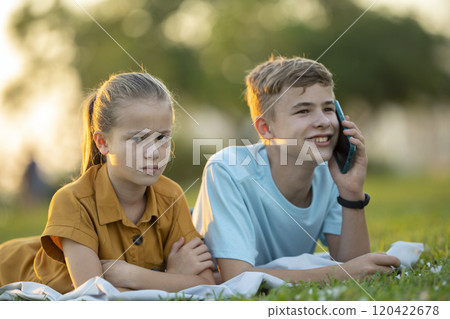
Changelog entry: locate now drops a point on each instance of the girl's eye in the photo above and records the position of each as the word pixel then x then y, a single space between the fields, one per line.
pixel 303 111
pixel 162 137
pixel 329 109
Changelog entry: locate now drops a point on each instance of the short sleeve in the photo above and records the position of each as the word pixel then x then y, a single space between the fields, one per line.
pixel 68 218
pixel 333 219
pixel 182 225
pixel 221 216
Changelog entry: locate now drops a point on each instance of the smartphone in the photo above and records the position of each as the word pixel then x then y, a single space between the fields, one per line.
pixel 344 150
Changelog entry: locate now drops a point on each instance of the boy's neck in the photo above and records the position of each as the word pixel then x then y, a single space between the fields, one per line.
pixel 293 181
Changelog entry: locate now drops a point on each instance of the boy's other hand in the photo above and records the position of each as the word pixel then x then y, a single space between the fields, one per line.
pixel 370 264
pixel 189 259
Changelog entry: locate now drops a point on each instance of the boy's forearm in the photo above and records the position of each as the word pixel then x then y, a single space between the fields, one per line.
pixel 230 268
pixel 354 240
pixel 307 275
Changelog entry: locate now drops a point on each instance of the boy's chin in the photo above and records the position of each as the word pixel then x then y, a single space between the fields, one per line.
pixel 326 156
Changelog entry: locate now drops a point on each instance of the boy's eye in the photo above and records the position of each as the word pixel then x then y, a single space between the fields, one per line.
pixel 329 107
pixel 302 111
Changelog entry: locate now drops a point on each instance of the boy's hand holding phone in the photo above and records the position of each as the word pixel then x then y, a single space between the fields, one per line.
pixel 350 183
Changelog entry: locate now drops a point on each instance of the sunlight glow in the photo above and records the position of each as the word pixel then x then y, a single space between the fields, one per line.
pixel 191 24
pixel 433 15
pixel 42 127
pixel 9 65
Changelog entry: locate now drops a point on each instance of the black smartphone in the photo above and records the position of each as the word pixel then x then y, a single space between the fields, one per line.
pixel 344 150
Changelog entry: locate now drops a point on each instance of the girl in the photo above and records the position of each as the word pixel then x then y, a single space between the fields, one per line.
pixel 121 218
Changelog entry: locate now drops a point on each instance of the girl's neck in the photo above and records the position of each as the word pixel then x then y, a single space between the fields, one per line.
pixel 131 197
pixel 293 181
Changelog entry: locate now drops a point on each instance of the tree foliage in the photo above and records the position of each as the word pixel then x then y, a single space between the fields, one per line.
pixel 202 49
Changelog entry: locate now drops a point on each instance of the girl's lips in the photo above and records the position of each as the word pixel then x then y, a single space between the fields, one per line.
pixel 150 169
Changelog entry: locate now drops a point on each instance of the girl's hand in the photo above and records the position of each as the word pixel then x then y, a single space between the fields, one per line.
pixel 190 259
pixel 116 272
pixel 351 184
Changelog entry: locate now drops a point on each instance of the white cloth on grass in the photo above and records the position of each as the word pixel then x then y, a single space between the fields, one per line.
pixel 245 284
pixel 408 253
pixel 97 289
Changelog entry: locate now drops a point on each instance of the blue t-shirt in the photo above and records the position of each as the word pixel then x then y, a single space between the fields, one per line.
pixel 242 214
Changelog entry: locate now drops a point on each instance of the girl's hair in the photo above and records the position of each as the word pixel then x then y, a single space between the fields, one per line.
pixel 99 108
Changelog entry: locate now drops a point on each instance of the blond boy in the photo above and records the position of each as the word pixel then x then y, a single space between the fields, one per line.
pixel 272 199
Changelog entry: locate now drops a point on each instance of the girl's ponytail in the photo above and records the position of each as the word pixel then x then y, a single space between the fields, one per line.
pixel 91 154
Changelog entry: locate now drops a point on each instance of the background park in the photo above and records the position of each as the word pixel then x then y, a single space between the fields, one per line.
pixel 391 65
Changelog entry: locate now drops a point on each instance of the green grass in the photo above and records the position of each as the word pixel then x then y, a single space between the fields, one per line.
pixel 408 208
pixel 417 283
pixel 17 221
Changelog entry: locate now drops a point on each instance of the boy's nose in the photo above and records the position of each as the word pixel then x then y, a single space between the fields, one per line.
pixel 321 120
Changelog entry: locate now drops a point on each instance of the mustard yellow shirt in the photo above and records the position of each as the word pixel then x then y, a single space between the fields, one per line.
pixel 88 212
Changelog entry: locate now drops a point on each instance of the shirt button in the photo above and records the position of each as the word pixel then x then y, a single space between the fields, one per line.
pixel 137 240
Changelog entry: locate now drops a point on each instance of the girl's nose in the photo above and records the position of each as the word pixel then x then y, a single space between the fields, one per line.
pixel 152 152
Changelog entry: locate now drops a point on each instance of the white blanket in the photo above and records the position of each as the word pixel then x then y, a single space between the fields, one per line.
pixel 246 284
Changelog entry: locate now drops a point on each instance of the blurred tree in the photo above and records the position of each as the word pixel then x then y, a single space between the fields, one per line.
pixel 202 49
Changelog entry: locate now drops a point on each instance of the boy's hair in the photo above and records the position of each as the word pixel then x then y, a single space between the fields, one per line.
pixel 99 108
pixel 266 81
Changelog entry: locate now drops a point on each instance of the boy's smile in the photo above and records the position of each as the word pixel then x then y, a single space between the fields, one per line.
pixel 306 115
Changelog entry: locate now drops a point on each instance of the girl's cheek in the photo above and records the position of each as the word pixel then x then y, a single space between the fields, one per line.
pixel 113 159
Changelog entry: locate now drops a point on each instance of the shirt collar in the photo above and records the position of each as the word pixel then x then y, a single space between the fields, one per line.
pixel 109 209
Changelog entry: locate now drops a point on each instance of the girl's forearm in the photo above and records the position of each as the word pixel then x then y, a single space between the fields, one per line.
pixel 142 278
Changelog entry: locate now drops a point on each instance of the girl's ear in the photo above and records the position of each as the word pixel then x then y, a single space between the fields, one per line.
pixel 100 142
pixel 263 128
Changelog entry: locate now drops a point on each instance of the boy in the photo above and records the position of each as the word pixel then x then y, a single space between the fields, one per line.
pixel 265 201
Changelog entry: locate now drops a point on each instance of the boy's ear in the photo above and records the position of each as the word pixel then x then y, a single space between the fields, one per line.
pixel 100 142
pixel 263 128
